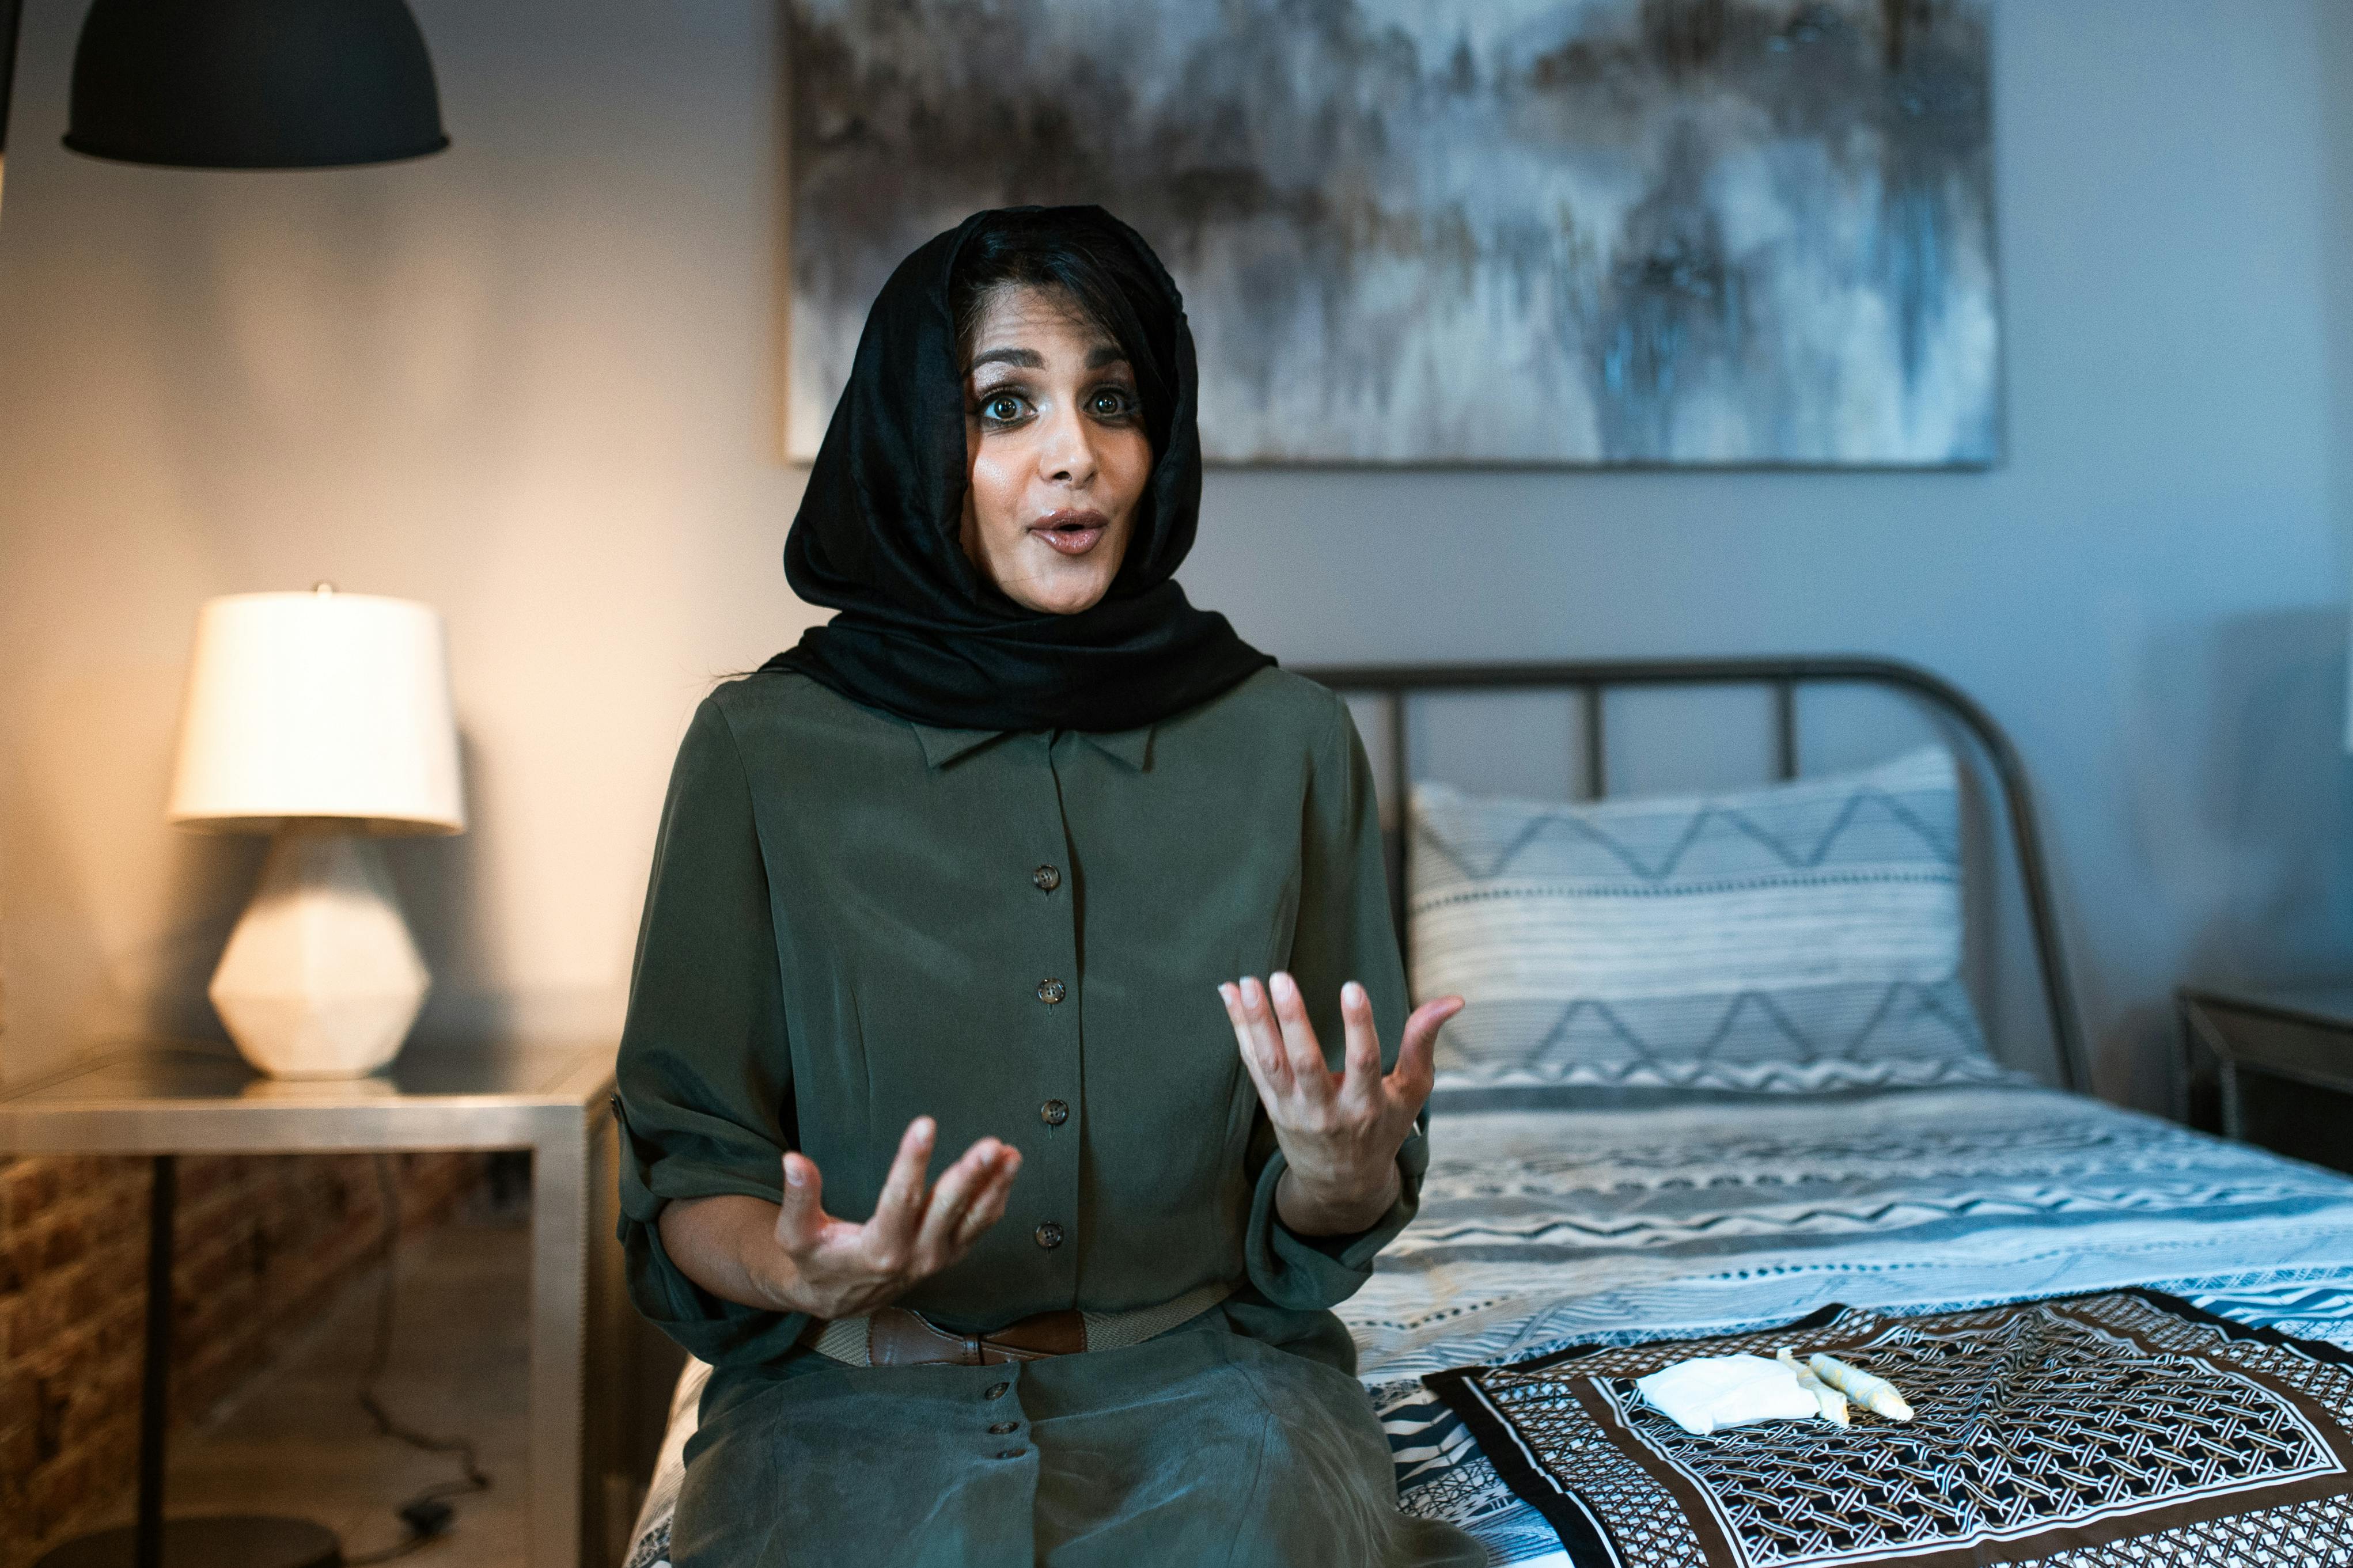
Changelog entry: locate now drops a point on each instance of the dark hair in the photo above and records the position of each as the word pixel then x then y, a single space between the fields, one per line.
pixel 1096 267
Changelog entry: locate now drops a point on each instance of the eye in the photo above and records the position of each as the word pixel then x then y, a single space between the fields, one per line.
pixel 1002 408
pixel 1110 403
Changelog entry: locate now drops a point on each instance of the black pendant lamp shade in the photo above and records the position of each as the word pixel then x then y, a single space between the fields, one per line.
pixel 253 84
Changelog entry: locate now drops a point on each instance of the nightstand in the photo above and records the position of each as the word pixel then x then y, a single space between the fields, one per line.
pixel 160 1099
pixel 2283 1066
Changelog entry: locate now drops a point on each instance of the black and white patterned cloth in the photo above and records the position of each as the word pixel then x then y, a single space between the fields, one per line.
pixel 2117 1427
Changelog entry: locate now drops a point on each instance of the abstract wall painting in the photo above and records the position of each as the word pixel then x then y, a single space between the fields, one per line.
pixel 1581 232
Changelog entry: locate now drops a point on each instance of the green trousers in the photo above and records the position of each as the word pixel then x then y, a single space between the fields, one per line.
pixel 1201 1448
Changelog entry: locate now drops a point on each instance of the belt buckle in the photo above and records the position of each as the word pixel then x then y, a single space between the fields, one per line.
pixel 897 1336
pixel 900 1336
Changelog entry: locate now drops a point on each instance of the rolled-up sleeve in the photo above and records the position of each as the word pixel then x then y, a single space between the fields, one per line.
pixel 704 1075
pixel 1344 931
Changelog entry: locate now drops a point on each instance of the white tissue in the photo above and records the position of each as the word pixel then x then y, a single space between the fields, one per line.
pixel 1709 1393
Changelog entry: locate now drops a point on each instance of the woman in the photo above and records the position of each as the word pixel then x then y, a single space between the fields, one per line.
pixel 1024 856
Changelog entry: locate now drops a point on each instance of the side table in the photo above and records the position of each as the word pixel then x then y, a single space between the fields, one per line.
pixel 163 1097
pixel 2282 1061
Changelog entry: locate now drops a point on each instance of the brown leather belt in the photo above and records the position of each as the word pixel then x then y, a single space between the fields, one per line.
pixel 898 1337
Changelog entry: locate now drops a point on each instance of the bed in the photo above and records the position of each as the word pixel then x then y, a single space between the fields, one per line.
pixel 1588 1190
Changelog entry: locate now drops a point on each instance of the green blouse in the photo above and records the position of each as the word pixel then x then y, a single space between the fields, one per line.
pixel 853 920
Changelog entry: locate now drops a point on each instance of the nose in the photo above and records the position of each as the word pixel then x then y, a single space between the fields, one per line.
pixel 1066 456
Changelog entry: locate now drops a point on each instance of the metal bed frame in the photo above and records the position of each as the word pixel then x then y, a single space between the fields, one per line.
pixel 1393 684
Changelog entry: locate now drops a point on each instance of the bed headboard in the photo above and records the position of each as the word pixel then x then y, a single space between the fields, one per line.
pixel 1588 685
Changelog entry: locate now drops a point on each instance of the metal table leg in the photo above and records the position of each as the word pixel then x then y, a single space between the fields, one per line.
pixel 155 1374
pixel 2235 1110
pixel 559 1283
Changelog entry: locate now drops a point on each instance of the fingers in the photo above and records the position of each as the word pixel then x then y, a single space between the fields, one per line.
pixel 900 1210
pixel 1416 1052
pixel 988 1205
pixel 953 1196
pixel 989 1198
pixel 1361 1065
pixel 1278 1041
pixel 1306 1055
pixel 800 1216
pixel 1259 1036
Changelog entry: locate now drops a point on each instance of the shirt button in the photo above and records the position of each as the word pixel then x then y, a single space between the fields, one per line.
pixel 1051 992
pixel 1053 1113
pixel 995 1391
pixel 1047 878
pixel 1049 1236
pixel 1000 1428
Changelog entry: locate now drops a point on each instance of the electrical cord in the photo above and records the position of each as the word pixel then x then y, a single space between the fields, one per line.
pixel 426 1514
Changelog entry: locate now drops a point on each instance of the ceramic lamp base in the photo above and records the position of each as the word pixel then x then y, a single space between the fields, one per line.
pixel 320 978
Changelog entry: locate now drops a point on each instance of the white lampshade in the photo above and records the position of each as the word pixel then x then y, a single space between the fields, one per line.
pixel 317 705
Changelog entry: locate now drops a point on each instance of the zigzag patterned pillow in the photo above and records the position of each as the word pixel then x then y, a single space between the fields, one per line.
pixel 1795 938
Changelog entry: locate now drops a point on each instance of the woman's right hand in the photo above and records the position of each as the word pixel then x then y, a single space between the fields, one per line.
pixel 832 1267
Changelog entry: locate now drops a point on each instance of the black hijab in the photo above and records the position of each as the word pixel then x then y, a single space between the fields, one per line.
pixel 922 632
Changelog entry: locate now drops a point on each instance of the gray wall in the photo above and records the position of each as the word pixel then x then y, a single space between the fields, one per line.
pixel 528 381
pixel 2149 592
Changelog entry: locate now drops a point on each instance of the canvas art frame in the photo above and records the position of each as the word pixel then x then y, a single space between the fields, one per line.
pixel 1715 234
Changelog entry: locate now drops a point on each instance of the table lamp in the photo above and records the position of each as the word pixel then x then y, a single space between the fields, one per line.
pixel 324 719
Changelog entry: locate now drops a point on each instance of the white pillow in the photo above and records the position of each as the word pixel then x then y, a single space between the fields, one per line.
pixel 1800 937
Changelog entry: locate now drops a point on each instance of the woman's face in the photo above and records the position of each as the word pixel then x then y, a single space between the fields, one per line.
pixel 1055 451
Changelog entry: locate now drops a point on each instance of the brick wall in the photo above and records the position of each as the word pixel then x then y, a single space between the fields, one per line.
pixel 263 1241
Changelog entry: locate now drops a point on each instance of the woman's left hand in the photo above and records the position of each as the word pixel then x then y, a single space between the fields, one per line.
pixel 1340 1132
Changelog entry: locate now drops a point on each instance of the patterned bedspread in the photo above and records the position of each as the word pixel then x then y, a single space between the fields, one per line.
pixel 1540 1228
pixel 1544 1226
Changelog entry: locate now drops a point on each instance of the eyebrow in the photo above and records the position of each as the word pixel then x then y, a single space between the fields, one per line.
pixel 1097 357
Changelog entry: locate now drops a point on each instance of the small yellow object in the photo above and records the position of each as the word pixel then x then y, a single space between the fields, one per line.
pixel 1873 1394
pixel 1829 1401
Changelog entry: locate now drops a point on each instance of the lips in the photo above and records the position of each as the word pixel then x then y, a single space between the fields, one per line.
pixel 1072 532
